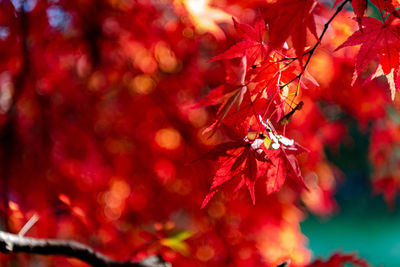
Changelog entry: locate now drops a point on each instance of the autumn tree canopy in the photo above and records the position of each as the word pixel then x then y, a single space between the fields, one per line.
pixel 195 130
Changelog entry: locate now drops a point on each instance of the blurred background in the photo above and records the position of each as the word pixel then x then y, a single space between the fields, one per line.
pixel 364 222
pixel 100 141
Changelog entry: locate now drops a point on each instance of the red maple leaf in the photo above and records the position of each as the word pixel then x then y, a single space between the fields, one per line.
pixel 380 40
pixel 291 18
pixel 283 161
pixel 229 95
pixel 257 155
pixel 251 46
pixel 386 5
pixel 252 91
pixel 360 6
pixel 238 158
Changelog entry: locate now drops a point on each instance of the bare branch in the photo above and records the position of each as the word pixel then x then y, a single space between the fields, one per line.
pixel 11 243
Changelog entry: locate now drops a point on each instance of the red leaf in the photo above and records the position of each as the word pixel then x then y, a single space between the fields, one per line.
pixel 251 160
pixel 241 161
pixel 252 47
pixel 385 5
pixel 359 7
pixel 291 18
pixel 276 175
pixel 377 39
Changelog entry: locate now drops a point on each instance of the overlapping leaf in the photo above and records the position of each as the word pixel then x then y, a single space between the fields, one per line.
pixel 251 46
pixel 386 5
pixel 360 6
pixel 380 40
pixel 291 18
pixel 239 158
pixel 251 158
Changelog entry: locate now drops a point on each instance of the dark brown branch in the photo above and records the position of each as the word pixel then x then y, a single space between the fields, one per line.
pixel 11 243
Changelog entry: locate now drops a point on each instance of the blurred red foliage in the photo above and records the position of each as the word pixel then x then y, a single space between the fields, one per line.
pixel 105 114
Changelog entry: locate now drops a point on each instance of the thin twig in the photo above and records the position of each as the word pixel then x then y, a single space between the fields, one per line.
pixel 312 50
pixel 326 26
pixel 11 243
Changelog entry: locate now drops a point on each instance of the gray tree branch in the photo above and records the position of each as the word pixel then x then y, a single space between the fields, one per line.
pixel 12 243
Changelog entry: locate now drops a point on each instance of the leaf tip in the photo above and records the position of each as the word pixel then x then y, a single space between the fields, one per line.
pixel 207 199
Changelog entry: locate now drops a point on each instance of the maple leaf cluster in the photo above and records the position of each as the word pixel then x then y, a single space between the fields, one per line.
pixel 254 94
pixel 271 74
pixel 379 40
